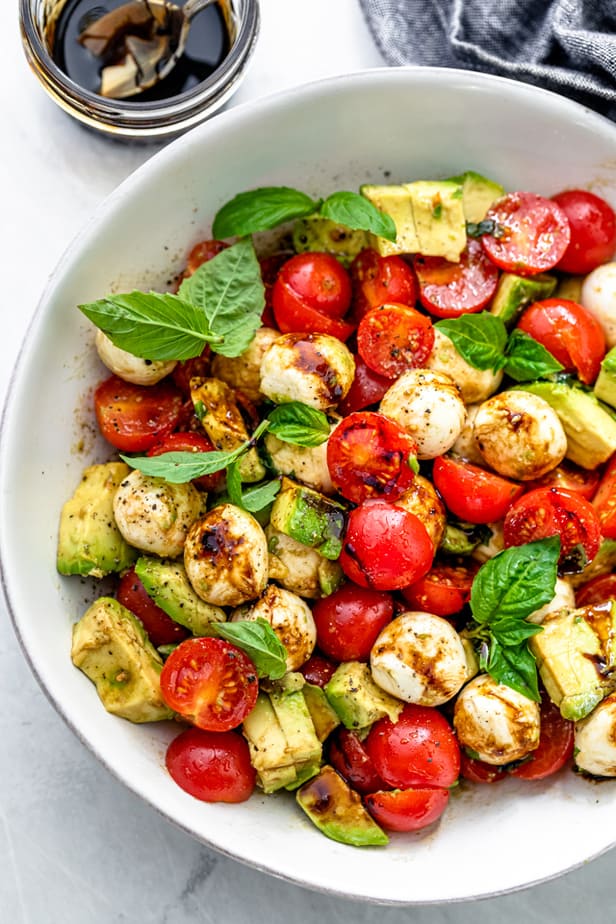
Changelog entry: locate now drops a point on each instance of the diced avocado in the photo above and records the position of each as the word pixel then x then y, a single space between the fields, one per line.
pixel 590 428
pixel 168 585
pixel 337 811
pixel 111 647
pixel 324 717
pixel 478 194
pixel 570 287
pixel 89 542
pixel 603 562
pixel 321 234
pixel 463 538
pixel 268 746
pixel 515 293
pixel 576 657
pixel 357 699
pixel 297 726
pixel 605 386
pixel 277 778
pixel 304 772
pixel 396 202
pixel 309 517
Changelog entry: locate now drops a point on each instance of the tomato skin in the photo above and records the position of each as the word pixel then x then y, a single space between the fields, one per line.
pixel 188 441
pixel 555 745
pixel 597 590
pixel 444 590
pixel 135 417
pixel 378 280
pixel 161 629
pixel 202 253
pixel 197 367
pixel 581 481
pixel 535 235
pixel 210 682
pixel 349 621
pixel 270 267
pixel 211 766
pixel 294 316
pixel 407 809
pixel 420 749
pixel 472 493
pixel 478 771
pixel 593 231
pixel 350 758
pixel 394 338
pixel 604 500
pixel 318 670
pixel 385 547
pixel 311 294
pixel 448 290
pixel 569 332
pixel 368 387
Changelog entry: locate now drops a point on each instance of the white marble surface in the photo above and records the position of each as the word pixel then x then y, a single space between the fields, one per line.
pixel 75 846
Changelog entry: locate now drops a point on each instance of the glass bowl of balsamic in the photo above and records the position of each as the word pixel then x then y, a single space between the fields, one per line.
pixel 220 43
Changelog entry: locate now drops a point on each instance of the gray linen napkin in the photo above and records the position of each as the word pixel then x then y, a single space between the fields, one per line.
pixel 568 46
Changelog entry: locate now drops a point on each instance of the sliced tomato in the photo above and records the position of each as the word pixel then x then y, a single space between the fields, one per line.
pixel 294 316
pixel 597 590
pixel 569 332
pixel 350 758
pixel 478 771
pixel 533 234
pixel 202 253
pixel 394 338
pixel 444 590
pixel 211 766
pixel 407 809
pixel 161 629
pixel 471 493
pixel 378 280
pixel 188 441
pixel 593 231
pixel 134 417
pixel 349 621
pixel 448 290
pixel 368 387
pixel 581 481
pixel 319 280
pixel 555 745
pixel 604 500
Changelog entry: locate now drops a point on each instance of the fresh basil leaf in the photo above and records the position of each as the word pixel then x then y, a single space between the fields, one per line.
pixel 487 226
pixel 260 496
pixel 234 484
pixel 152 325
pixel 261 210
pixel 527 359
pixel 480 339
pixel 229 291
pixel 355 211
pixel 516 668
pixel 509 631
pixel 260 642
pixel 299 424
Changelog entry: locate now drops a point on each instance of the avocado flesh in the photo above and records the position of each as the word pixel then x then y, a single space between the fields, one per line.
pixel 89 542
pixel 395 201
pixel 309 517
pixel 324 717
pixel 603 562
pixel 337 811
pixel 515 293
pixel 478 194
pixel 167 584
pixel 356 698
pixel 316 233
pixel 605 386
pixel 111 647
pixel 570 287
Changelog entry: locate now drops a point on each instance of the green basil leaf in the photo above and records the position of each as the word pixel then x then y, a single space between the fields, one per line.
pixel 261 210
pixel 516 668
pixel 260 496
pixel 355 211
pixel 234 484
pixel 299 424
pixel 509 631
pixel 480 339
pixel 229 290
pixel 527 359
pixel 487 226
pixel 260 642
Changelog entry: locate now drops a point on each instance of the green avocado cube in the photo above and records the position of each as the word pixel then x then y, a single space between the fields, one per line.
pixel 605 386
pixel 338 812
pixel 478 194
pixel 356 698
pixel 514 293
pixel 167 584
pixel 309 517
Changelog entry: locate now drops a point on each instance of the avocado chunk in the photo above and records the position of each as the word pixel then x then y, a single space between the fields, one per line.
pixel 297 726
pixel 324 717
pixel 167 584
pixel 515 293
pixel 309 517
pixel 111 647
pixel 89 542
pixel 395 200
pixel 337 811
pixel 605 386
pixel 463 538
pixel 590 428
pixel 316 233
pixel 570 287
pixel 576 657
pixel 478 194
pixel 603 562
pixel 356 698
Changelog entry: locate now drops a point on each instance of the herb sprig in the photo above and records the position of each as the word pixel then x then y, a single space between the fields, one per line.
pixel 260 642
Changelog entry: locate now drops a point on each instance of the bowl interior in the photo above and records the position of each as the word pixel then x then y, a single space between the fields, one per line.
pixel 380 126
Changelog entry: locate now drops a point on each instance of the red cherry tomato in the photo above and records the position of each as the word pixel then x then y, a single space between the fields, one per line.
pixel 581 481
pixel 448 290
pixel 597 590
pixel 135 417
pixel 569 332
pixel 368 387
pixel 270 267
pixel 349 757
pixel 203 252
pixel 555 512
pixel 407 809
pixel 211 766
pixel 198 367
pixel 187 441
pixel 593 231
pixel 472 493
pixel 318 670
pixel 293 316
pixel 533 234
pixel 349 621
pixel 368 455
pixel 161 629
pixel 394 338
pixel 311 294
pixel 210 682
pixel 555 745
pixel 478 771
pixel 385 547
pixel 604 500
pixel 378 280
pixel 420 749
pixel 444 590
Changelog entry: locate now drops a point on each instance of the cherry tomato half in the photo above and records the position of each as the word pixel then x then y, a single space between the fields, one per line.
pixel 581 481
pixel 593 230
pixel 378 280
pixel 188 441
pixel 350 758
pixel 478 771
pixel 349 621
pixel 161 629
pixel 597 590
pixel 448 290
pixel 472 493
pixel 135 417
pixel 270 267
pixel 407 809
pixel 533 234
pixel 604 500
pixel 368 387
pixel 311 294
pixel 555 745
pixel 569 332
pixel 202 253
pixel 444 590
pixel 210 682
pixel 394 338
pixel 318 670
pixel 211 766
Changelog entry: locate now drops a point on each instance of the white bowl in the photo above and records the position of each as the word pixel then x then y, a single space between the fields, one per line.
pixel 392 125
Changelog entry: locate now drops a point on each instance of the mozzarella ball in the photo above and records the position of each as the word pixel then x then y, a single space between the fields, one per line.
pixel 316 369
pixel 225 556
pixel 154 515
pixel 422 500
pixel 307 464
pixel 419 658
pixel 563 599
pixel 497 723
pixel 595 740
pixel 128 367
pixel 300 569
pixel 599 297
pixel 244 371
pixel 290 618
pixel 465 445
pixel 474 384
pixel 429 407
pixel 519 435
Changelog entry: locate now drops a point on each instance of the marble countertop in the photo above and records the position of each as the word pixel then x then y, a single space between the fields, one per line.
pixel 75 846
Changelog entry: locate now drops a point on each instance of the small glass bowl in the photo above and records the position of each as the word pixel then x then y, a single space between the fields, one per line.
pixel 127 119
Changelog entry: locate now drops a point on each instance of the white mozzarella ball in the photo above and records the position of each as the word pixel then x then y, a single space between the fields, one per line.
pixel 225 556
pixel 519 435
pixel 599 296
pixel 422 500
pixel 474 384
pixel 307 464
pixel 563 599
pixel 497 723
pixel 291 619
pixel 419 658
pixel 465 445
pixel 429 407
pixel 316 369
pixel 244 371
pixel 595 740
pixel 128 367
